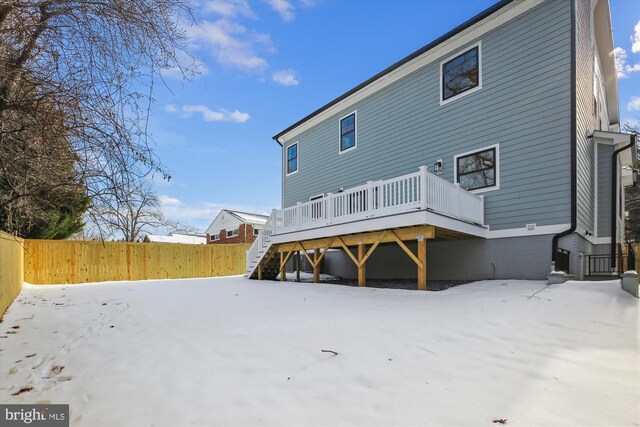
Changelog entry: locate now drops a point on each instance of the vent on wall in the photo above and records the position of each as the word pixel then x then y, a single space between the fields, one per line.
pixel 531 227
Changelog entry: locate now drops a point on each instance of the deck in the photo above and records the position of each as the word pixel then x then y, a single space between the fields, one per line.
pixel 404 208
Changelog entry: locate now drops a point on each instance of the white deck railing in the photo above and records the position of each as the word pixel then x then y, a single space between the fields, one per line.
pixel 415 191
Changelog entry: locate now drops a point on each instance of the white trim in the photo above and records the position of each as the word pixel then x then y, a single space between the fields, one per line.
pixel 212 237
pixel 286 159
pixel 355 132
pixel 591 239
pixel 454 43
pixel 415 218
pixel 455 55
pixel 520 232
pixel 497 173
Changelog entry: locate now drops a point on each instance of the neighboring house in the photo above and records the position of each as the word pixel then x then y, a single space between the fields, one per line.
pixel 189 239
pixel 235 227
pixel 492 152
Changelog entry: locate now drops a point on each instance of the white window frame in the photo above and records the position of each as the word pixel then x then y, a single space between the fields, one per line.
pixel 256 231
pixel 286 159
pixel 355 132
pixel 497 160
pixel 214 237
pixel 467 92
pixel 234 233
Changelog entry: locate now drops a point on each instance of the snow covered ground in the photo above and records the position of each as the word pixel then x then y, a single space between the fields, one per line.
pixel 229 351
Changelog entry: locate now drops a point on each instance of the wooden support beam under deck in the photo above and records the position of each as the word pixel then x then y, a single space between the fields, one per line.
pixel 422 269
pixel 316 266
pixel 368 238
pixel 362 271
pixel 297 266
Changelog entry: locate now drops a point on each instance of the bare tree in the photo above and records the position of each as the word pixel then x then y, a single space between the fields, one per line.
pixel 88 67
pixel 127 212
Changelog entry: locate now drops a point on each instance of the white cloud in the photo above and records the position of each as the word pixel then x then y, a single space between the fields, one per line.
pixel 286 77
pixel 634 104
pixel 168 201
pixel 208 115
pixel 622 68
pixel 232 44
pixel 284 8
pixel 229 8
pixel 635 39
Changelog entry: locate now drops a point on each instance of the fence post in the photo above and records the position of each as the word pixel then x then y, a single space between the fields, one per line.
pixel 369 197
pixel 482 209
pixel 298 215
pixel 423 187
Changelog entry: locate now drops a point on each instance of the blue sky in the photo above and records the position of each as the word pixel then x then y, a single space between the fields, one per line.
pixel 266 64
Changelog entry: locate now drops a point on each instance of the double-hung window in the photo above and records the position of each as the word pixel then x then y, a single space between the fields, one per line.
pixel 461 74
pixel 348 132
pixel 292 158
pixel 478 170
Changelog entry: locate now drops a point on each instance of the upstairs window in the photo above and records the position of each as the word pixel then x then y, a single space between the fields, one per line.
pixel 461 74
pixel 348 132
pixel 292 159
pixel 477 170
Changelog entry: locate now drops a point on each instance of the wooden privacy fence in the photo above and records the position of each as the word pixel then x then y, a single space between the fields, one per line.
pixel 11 269
pixel 65 261
pixel 625 251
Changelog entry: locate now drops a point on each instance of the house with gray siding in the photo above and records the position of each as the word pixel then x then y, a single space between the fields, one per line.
pixel 493 152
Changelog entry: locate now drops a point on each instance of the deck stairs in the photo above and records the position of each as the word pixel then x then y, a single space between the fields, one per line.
pixel 262 249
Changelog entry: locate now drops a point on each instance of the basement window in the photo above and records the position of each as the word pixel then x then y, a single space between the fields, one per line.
pixel 478 170
pixel 292 159
pixel 460 75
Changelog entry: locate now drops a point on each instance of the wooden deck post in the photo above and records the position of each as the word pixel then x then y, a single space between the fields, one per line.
pixel 316 267
pixel 297 266
pixel 422 256
pixel 283 268
pixel 260 271
pixel 362 272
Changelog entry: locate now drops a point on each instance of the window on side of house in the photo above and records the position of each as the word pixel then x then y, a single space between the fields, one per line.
pixel 292 158
pixel 460 74
pixel 256 231
pixel 232 233
pixel 348 132
pixel 477 170
pixel 215 237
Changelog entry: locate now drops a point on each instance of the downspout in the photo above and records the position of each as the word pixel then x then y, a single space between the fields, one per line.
pixel 574 143
pixel 614 197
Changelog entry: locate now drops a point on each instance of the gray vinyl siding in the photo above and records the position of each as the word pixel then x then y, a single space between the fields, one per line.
pixel 586 120
pixel 605 153
pixel 524 106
